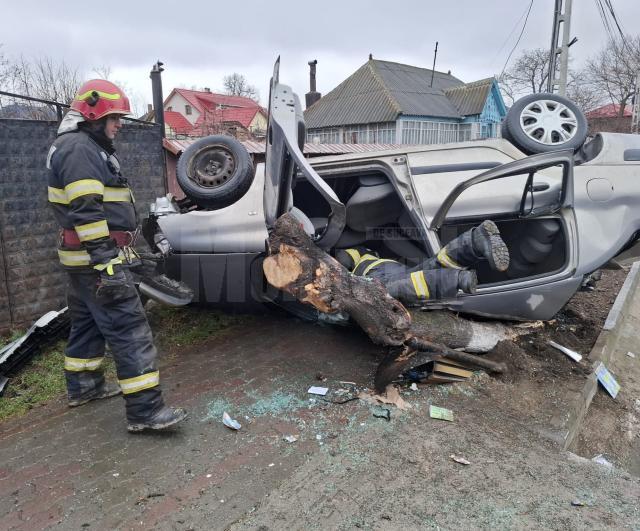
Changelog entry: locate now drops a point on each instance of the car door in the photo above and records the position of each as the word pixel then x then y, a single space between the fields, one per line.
pixel 521 196
pixel 284 159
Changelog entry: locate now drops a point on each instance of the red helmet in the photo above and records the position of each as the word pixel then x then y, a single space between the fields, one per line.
pixel 98 98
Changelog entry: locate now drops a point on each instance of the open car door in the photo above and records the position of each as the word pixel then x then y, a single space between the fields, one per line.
pixel 531 201
pixel 284 159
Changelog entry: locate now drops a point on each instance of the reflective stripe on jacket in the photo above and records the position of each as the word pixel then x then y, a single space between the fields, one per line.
pixel 88 195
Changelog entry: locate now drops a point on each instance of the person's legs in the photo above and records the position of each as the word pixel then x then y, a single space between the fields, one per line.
pixel 411 286
pixel 84 354
pixel 124 325
pixel 479 243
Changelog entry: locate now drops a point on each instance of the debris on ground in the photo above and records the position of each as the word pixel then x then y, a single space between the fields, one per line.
pixel 45 331
pixel 314 390
pixel 579 503
pixel 229 422
pixel 290 438
pixel 380 412
pixel 390 396
pixel 441 413
pixel 571 353
pixel 414 386
pixel 459 459
pixel 439 372
pixel 607 380
pixel 602 460
pixel 631 354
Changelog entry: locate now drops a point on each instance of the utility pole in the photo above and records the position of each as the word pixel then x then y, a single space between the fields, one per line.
pixel 635 109
pixel 433 70
pixel 559 51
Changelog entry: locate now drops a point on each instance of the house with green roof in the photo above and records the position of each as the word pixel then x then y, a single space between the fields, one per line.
pixel 391 103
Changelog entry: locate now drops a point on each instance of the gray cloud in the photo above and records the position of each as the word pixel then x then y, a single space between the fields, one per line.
pixel 202 41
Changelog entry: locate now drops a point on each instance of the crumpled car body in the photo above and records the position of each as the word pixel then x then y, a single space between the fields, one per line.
pixel 563 214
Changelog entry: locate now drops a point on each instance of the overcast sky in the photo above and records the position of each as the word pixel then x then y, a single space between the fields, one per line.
pixel 201 41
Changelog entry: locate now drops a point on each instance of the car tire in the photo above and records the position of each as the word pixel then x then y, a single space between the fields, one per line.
pixel 214 172
pixel 543 122
pixel 504 130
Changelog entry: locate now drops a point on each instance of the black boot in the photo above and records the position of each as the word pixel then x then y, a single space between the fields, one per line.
pixel 161 420
pixel 480 243
pixel 488 243
pixel 107 390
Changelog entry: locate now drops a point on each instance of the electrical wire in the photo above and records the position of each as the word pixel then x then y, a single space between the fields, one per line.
pixel 515 27
pixel 615 18
pixel 609 19
pixel 519 37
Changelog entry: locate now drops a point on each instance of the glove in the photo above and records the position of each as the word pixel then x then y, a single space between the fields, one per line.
pixel 144 267
pixel 113 284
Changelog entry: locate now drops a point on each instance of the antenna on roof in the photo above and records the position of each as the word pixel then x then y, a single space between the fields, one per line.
pixel 435 54
pixel 370 56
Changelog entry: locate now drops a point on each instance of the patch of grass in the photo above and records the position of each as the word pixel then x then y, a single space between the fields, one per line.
pixel 40 381
pixel 180 327
pixel 12 336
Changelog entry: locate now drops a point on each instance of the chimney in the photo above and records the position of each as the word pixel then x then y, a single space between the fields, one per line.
pixel 156 89
pixel 312 96
pixel 149 107
pixel 207 89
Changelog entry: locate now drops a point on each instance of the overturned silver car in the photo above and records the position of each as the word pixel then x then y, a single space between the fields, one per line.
pixel 563 211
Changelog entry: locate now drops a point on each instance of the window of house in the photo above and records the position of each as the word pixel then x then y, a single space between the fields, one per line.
pixel 187 109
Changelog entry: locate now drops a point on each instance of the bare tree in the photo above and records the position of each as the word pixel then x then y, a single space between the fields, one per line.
pixel 4 64
pixel 102 71
pixel 237 85
pixel 528 74
pixel 43 78
pixel 614 69
pixel 582 92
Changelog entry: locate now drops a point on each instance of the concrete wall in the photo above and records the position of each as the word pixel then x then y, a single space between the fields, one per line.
pixel 31 280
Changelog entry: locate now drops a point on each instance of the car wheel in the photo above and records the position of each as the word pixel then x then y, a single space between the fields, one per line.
pixel 504 130
pixel 545 122
pixel 214 172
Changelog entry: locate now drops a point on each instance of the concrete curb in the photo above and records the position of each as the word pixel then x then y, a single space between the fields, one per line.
pixel 601 352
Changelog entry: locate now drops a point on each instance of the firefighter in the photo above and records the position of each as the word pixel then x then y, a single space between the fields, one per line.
pixel 94 205
pixel 436 278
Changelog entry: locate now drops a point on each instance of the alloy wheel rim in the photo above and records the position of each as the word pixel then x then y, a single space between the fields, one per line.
pixel 548 122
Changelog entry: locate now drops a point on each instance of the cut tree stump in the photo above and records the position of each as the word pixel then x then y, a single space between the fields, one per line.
pixel 297 266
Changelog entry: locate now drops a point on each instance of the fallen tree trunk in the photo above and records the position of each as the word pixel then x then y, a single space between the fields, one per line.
pixel 297 266
pixel 459 333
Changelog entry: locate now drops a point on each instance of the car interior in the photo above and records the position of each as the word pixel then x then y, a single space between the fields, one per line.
pixel 377 218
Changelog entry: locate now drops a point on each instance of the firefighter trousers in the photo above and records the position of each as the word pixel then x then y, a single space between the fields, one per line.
pixel 123 325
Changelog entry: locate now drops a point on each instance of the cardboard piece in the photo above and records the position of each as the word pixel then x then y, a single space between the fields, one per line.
pixel 441 413
pixel 390 396
pixel 607 380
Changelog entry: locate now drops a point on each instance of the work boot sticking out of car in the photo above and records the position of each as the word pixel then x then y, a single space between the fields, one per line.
pixel 488 243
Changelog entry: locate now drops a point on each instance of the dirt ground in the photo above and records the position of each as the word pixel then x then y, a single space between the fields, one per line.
pixel 349 468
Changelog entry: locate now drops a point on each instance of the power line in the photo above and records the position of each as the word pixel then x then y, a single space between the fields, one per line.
pixel 515 26
pixel 615 18
pixel 609 19
pixel 519 37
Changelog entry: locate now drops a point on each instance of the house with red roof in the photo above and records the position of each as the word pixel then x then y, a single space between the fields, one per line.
pixel 610 118
pixel 198 113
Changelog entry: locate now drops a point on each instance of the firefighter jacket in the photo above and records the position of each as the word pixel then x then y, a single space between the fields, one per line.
pixel 89 196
